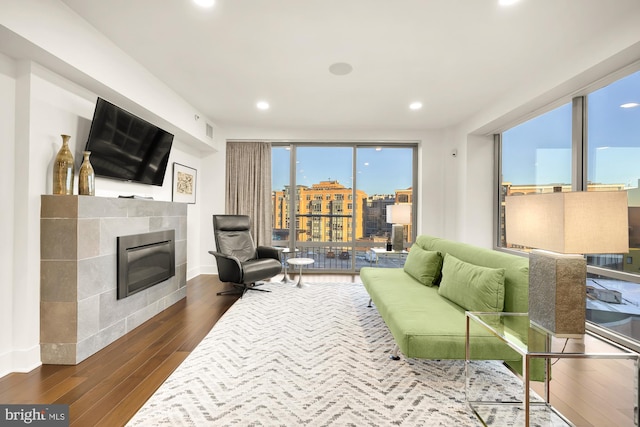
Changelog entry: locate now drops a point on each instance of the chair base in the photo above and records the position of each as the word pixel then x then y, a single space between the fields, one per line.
pixel 240 289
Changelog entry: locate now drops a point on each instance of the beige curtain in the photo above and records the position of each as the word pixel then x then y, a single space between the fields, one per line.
pixel 248 186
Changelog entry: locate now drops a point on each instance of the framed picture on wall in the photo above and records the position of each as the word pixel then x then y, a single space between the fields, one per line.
pixel 184 184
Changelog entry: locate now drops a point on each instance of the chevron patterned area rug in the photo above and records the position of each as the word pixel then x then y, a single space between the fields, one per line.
pixel 316 356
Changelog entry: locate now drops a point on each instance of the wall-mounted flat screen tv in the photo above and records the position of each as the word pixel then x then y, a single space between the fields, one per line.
pixel 126 147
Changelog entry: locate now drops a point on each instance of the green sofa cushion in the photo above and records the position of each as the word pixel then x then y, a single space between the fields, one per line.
pixel 424 266
pixel 516 277
pixel 473 287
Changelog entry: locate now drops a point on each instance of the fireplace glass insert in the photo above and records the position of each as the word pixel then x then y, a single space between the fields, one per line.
pixel 145 260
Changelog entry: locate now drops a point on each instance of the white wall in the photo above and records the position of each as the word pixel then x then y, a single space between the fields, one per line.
pixel 476 210
pixel 24 325
pixel 213 174
pixel 7 167
pixel 454 168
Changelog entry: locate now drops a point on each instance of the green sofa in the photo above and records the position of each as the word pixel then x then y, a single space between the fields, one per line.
pixel 427 325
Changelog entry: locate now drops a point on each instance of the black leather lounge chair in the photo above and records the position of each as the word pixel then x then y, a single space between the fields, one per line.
pixel 239 261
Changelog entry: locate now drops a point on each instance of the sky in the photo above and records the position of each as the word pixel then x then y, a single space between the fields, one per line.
pixel 378 172
pixel 539 150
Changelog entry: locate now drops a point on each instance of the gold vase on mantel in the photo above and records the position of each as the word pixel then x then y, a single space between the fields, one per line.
pixel 63 169
pixel 86 177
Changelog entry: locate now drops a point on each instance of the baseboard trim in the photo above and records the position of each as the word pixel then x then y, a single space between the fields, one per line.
pixel 20 361
pixel 194 272
pixel 208 269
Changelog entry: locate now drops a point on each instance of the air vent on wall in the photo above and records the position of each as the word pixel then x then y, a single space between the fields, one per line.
pixel 209 131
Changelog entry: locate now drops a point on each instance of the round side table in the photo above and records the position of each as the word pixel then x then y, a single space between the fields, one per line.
pixel 300 262
pixel 285 252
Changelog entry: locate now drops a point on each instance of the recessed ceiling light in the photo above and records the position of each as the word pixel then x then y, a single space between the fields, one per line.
pixel 507 2
pixel 205 3
pixel 630 105
pixel 415 105
pixel 340 68
pixel 262 105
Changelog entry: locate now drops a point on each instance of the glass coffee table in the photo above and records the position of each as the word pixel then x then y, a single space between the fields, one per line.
pixel 534 344
pixel 301 262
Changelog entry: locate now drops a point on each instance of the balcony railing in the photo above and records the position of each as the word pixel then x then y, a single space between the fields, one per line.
pixel 332 257
pixel 336 251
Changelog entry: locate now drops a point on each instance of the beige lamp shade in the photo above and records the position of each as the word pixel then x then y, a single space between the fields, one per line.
pixel 399 214
pixel 585 222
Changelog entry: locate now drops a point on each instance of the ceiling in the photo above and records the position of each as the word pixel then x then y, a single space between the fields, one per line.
pixel 454 56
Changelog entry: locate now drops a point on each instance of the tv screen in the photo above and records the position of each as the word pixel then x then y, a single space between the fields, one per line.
pixel 126 147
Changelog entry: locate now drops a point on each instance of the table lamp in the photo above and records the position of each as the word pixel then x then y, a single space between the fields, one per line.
pixel 399 216
pixel 561 228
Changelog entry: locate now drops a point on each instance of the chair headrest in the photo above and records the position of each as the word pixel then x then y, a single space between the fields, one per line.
pixel 231 222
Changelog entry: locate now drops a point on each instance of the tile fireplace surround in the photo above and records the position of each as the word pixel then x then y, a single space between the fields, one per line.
pixel 79 310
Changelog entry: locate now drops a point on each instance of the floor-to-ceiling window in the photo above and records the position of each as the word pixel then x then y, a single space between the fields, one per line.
pixel 280 180
pixel 536 158
pixel 591 144
pixel 327 212
pixel 613 153
pixel 337 212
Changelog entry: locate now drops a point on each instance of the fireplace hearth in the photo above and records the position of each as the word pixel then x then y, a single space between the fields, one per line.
pixel 145 260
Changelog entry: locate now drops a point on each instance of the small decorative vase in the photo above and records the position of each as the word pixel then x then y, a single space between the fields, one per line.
pixel 63 169
pixel 86 177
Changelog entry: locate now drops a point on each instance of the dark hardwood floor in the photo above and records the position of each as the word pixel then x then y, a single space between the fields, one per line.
pixel 108 388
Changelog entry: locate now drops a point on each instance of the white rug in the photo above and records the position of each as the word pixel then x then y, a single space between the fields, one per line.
pixel 318 357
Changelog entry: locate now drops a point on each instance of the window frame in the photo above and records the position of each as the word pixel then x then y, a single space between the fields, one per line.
pixel 291 201
pixel 579 175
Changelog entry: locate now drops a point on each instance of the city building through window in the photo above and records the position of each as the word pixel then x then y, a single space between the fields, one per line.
pixel 342 192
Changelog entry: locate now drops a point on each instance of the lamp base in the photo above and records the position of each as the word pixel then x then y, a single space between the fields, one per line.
pixel 557 292
pixel 397 237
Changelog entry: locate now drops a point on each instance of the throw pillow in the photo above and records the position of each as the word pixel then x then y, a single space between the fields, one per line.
pixel 472 287
pixel 424 266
